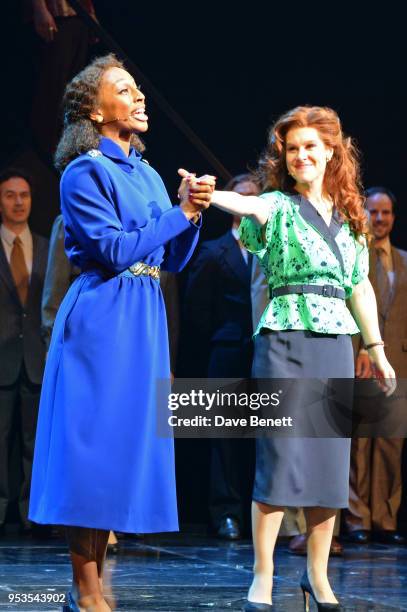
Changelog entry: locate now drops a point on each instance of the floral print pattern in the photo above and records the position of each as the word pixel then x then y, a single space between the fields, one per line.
pixel 296 252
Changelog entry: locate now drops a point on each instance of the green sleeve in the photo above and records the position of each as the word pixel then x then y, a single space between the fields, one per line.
pixel 361 267
pixel 251 233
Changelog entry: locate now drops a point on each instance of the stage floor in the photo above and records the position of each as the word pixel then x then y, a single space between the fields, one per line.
pixel 188 572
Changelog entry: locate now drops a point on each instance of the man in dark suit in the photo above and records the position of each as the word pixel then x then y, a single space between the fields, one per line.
pixel 375 475
pixel 23 259
pixel 218 312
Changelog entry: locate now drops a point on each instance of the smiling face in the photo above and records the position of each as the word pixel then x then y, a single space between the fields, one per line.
pixel 121 105
pixel 306 155
pixel 381 214
pixel 15 202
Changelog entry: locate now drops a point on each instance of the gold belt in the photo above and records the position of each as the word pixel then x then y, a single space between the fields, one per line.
pixel 143 269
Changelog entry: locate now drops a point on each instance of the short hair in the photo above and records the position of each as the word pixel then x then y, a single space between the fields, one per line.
pixel 371 191
pixel 240 178
pixel 8 173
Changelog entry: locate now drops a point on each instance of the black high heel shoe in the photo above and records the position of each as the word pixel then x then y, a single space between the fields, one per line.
pixel 307 591
pixel 252 606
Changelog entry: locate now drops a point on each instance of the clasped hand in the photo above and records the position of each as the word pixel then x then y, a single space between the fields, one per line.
pixel 195 192
pixel 376 366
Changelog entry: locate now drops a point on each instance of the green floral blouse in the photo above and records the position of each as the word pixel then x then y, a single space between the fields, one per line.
pixel 300 248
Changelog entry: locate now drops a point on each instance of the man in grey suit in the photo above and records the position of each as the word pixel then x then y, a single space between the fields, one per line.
pixel 375 476
pixel 23 259
pixel 59 276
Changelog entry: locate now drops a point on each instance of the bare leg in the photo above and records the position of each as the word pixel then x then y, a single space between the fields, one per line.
pixel 266 522
pixel 88 549
pixel 320 526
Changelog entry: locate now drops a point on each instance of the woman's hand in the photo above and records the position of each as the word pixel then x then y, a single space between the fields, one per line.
pixel 364 309
pixel 382 370
pixel 44 23
pixel 195 193
pixel 363 367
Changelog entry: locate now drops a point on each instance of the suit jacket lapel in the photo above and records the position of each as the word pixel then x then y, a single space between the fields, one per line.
pixel 35 269
pixel 373 268
pixel 233 257
pixel 399 271
pixel 382 305
pixel 311 216
pixel 373 262
pixel 5 274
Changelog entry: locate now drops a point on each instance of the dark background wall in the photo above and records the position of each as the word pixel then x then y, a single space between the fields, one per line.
pixel 231 72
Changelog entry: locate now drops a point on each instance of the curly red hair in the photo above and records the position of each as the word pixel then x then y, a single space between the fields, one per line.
pixel 342 175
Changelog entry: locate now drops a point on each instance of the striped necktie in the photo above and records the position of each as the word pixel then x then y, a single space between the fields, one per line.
pixel 19 269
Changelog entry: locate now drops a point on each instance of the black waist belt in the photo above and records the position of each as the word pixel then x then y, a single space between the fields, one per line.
pixel 325 290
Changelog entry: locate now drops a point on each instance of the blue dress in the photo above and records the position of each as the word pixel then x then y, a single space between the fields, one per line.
pixel 98 462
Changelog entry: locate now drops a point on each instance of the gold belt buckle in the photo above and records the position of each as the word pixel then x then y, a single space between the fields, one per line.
pixel 143 269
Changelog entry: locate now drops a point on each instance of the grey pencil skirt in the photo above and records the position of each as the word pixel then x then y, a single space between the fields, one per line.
pixel 293 471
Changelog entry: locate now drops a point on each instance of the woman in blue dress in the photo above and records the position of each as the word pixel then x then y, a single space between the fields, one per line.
pixel 109 344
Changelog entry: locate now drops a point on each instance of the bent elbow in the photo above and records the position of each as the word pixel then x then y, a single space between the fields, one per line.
pixel 112 253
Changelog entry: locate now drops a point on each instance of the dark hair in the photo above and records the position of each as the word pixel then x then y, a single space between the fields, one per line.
pixel 240 178
pixel 80 133
pixel 371 191
pixel 342 174
pixel 9 173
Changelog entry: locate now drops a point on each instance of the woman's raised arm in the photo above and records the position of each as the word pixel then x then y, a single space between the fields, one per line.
pixel 242 206
pixel 230 201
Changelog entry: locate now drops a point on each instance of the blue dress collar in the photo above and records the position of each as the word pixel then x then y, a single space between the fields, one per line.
pixel 112 150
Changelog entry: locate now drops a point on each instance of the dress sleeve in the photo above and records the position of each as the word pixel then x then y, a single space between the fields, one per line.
pixel 361 267
pixel 89 209
pixel 180 249
pixel 251 234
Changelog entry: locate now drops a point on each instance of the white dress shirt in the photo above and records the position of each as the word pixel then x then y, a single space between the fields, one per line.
pixel 236 236
pixel 7 239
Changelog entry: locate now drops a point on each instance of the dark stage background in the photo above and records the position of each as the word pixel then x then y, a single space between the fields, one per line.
pixel 229 72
